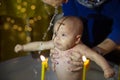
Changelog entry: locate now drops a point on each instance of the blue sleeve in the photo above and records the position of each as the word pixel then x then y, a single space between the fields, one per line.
pixel 111 10
pixel 69 8
pixel 115 34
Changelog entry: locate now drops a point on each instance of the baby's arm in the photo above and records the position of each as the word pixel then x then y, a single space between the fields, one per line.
pixel 98 59
pixel 34 46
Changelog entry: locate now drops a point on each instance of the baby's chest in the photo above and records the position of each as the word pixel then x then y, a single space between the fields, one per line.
pixel 63 60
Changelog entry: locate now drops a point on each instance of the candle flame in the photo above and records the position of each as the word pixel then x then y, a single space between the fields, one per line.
pixel 42 58
pixel 84 58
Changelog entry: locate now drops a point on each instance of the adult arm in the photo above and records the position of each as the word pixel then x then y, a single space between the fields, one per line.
pixel 105 47
pixel 113 39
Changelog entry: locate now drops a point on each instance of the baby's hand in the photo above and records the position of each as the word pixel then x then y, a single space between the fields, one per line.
pixel 18 48
pixel 109 72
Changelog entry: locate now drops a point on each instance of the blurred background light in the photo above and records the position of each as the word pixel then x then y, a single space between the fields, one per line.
pixel 22 21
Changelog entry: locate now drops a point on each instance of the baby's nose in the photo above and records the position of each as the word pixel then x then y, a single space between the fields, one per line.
pixel 57 37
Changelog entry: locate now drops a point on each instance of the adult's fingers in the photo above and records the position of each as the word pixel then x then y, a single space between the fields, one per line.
pixel 76 60
pixel 75 56
pixel 53 67
pixel 75 69
pixel 76 63
pixel 54 61
pixel 54 54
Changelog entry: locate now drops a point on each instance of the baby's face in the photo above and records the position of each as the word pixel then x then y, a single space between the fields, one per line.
pixel 63 35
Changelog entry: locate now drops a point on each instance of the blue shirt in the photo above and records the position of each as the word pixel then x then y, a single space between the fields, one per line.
pixel 100 23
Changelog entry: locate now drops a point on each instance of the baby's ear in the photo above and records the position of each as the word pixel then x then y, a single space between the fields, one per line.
pixel 78 37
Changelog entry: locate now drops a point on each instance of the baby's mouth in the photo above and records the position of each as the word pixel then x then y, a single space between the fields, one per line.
pixel 57 44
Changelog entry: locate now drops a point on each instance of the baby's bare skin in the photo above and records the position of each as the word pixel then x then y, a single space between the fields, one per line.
pixel 66 39
pixel 62 66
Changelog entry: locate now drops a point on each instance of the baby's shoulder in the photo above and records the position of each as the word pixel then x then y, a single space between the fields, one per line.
pixel 79 46
pixel 76 48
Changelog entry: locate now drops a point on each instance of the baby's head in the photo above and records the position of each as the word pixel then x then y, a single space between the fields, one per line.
pixel 67 32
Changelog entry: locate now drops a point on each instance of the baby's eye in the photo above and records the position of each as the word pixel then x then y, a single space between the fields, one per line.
pixel 63 35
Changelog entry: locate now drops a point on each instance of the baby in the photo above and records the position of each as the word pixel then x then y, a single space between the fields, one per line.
pixel 66 40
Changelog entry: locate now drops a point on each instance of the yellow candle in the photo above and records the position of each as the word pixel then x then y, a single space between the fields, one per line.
pixel 44 67
pixel 86 63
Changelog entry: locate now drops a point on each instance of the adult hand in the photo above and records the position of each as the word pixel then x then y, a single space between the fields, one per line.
pixel 76 59
pixel 53 57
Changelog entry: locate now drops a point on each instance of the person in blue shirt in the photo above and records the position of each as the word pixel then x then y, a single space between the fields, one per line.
pixel 102 29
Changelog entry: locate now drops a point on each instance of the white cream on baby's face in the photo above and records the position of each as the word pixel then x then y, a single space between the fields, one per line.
pixel 63 35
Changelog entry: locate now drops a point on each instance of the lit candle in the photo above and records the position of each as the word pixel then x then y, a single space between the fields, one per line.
pixel 44 66
pixel 86 63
